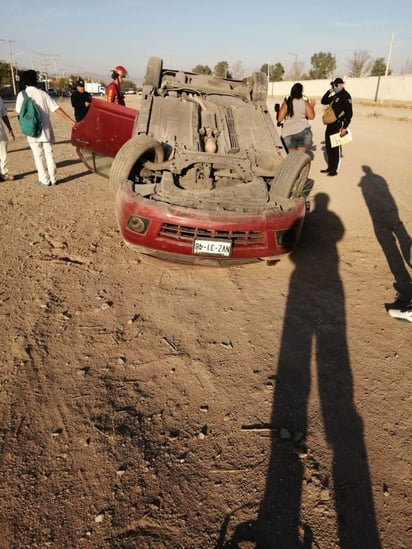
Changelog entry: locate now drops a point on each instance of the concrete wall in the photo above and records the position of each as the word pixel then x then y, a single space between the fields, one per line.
pixel 373 88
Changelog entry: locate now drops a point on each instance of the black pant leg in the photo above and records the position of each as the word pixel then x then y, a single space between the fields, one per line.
pixel 333 153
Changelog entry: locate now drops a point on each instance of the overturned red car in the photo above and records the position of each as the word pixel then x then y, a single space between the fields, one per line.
pixel 199 173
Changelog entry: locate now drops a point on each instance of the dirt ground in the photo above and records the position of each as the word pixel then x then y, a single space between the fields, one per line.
pixel 146 404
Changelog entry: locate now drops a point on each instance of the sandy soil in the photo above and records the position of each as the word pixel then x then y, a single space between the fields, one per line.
pixel 145 404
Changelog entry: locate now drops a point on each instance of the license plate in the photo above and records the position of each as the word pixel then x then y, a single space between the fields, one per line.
pixel 212 247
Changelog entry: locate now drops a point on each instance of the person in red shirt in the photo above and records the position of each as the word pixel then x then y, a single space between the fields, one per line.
pixel 114 93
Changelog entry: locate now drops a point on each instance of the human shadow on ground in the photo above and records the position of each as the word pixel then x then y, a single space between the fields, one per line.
pixel 73 177
pixel 313 346
pixel 389 230
pixel 70 162
pixel 27 146
pixel 59 165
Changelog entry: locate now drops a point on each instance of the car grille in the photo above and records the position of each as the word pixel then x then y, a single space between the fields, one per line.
pixel 188 234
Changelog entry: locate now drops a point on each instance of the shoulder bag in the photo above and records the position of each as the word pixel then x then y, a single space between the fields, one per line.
pixel 328 116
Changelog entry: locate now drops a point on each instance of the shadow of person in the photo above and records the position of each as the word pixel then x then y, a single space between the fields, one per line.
pixel 389 230
pixel 313 343
pixel 73 177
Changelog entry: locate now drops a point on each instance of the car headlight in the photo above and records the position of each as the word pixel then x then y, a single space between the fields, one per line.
pixel 285 239
pixel 138 224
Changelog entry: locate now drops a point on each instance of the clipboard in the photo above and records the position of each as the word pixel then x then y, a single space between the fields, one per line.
pixel 336 139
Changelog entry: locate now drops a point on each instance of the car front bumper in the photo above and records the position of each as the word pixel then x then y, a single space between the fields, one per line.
pixel 206 237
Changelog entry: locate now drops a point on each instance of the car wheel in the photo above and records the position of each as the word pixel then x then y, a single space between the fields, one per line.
pixel 260 86
pixel 131 158
pixel 292 178
pixel 153 72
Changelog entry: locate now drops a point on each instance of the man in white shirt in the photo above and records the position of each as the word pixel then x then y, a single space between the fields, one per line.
pixel 42 146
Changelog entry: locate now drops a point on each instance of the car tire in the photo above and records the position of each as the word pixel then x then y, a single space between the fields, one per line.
pixel 293 175
pixel 154 70
pixel 131 158
pixel 260 86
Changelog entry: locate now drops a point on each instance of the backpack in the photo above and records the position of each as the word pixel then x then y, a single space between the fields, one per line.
pixel 29 117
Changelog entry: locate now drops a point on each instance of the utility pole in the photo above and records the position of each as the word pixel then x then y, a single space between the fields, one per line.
pixel 11 64
pixel 388 60
pixel 44 71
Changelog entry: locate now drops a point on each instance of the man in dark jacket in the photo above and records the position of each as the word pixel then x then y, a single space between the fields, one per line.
pixel 341 103
pixel 81 100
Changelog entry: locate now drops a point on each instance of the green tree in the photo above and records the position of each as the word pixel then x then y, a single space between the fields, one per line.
pixel 265 68
pixel 222 69
pixel 379 67
pixel 275 72
pixel 359 64
pixel 202 69
pixel 5 74
pixel 323 65
pixel 61 84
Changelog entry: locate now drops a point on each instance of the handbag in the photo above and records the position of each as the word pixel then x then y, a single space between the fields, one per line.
pixel 328 116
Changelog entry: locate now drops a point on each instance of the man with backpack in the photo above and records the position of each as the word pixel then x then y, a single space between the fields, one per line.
pixel 40 143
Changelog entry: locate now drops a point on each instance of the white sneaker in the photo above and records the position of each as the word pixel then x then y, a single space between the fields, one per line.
pixel 7 176
pixel 404 313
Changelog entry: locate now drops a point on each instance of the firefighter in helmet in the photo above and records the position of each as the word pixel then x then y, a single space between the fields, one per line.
pixel 114 93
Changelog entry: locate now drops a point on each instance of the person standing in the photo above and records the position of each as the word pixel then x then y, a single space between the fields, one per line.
pixel 42 146
pixel 4 169
pixel 341 103
pixel 114 93
pixel 294 115
pixel 80 100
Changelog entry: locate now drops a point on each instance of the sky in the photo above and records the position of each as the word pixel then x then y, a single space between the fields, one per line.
pixel 89 38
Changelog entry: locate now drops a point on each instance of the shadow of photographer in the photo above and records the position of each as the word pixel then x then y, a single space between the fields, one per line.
pixel 313 346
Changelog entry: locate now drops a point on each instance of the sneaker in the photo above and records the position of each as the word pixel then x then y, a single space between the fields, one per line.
pixel 403 313
pixel 8 177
